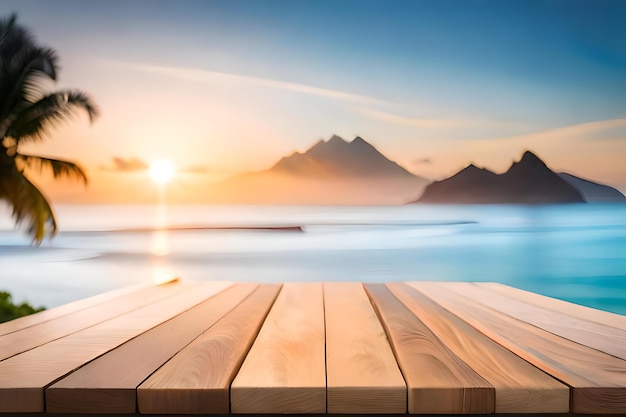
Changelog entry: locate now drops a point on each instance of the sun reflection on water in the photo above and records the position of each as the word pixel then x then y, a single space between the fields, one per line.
pixel 160 242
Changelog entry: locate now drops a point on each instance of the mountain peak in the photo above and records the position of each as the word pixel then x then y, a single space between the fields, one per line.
pixel 528 181
pixel 342 159
pixel 361 143
pixel 528 163
pixel 336 139
pixel 471 168
pixel 529 156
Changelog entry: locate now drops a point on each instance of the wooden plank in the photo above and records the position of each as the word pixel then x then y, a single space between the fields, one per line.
pixel 438 381
pixel 598 336
pixel 108 384
pixel 24 376
pixel 197 380
pixel 597 380
pixel 285 370
pixel 574 310
pixel 52 313
pixel 520 387
pixel 361 371
pixel 42 333
pixel 300 415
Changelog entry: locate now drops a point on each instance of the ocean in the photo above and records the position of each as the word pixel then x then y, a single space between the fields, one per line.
pixel 572 252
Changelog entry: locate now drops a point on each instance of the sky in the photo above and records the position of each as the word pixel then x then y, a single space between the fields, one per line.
pixel 221 87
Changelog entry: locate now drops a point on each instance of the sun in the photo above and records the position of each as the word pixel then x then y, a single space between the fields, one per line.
pixel 161 171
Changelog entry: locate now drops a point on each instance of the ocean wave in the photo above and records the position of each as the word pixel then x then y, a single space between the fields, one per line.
pixel 269 228
pixel 187 229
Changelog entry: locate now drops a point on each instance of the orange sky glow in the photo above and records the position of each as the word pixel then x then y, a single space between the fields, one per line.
pixel 217 99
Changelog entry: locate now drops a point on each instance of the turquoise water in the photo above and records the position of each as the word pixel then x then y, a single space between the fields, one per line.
pixel 572 252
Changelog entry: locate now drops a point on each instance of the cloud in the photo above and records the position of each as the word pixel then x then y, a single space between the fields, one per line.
pixel 598 130
pixel 436 123
pixel 409 121
pixel 592 147
pixel 126 165
pixel 207 76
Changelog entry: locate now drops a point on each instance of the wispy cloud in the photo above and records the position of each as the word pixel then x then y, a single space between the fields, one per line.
pixel 125 165
pixel 598 130
pixel 436 123
pixel 206 76
pixel 594 147
pixel 410 121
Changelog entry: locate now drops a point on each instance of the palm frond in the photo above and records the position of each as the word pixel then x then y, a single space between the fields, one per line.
pixel 22 80
pixel 28 204
pixel 13 37
pixel 59 168
pixel 32 123
pixel 6 25
pixel 24 70
pixel 35 66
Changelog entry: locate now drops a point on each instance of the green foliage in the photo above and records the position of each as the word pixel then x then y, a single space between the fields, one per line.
pixel 27 112
pixel 10 311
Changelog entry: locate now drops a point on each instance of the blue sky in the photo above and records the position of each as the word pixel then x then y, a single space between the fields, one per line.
pixel 240 83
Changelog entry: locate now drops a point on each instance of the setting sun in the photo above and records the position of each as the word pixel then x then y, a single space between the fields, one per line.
pixel 161 171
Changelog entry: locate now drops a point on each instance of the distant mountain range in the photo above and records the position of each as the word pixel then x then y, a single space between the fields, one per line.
pixel 332 171
pixel 528 181
pixel 337 158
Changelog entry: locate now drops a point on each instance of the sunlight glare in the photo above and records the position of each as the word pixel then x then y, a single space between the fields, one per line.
pixel 161 171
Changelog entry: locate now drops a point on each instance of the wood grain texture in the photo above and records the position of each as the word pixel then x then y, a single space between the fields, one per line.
pixel 438 381
pixel 574 310
pixel 361 371
pixel 285 370
pixel 108 384
pixel 597 380
pixel 598 336
pixel 197 380
pixel 42 333
pixel 299 415
pixel 520 387
pixel 52 313
pixel 24 376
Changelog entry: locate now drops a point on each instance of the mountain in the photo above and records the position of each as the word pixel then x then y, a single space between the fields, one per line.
pixel 593 192
pixel 332 171
pixel 338 158
pixel 528 181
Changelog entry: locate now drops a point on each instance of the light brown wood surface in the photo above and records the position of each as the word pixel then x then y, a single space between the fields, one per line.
pixel 361 371
pixel 520 387
pixel 596 378
pixel 42 333
pixel 285 370
pixel 24 376
pixel 197 379
pixel 574 310
pixel 598 336
pixel 108 384
pixel 52 313
pixel 438 381
pixel 316 348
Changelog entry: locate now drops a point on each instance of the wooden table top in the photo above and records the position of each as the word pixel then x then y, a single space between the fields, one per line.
pixel 315 348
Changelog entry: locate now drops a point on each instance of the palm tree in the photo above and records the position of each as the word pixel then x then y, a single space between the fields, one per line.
pixel 27 111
